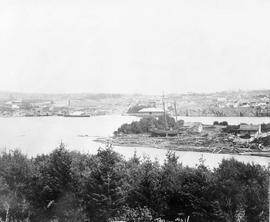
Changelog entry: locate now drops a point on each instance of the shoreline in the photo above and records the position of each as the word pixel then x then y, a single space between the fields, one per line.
pixel 119 141
pixel 139 116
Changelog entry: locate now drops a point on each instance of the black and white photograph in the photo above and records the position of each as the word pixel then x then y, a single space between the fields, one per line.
pixel 134 111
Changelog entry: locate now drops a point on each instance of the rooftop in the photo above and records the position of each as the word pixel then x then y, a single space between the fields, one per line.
pixel 151 110
pixel 249 127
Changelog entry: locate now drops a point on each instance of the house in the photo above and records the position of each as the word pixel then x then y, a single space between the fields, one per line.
pixel 14 106
pixel 42 104
pixel 249 130
pixel 152 111
pixel 222 99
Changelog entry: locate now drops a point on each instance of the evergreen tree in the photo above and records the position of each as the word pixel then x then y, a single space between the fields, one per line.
pixel 103 194
pixel 15 171
pixel 50 182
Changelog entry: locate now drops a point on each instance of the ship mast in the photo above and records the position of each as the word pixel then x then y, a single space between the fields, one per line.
pixel 175 110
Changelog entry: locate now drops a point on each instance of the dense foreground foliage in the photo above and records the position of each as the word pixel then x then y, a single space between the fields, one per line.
pixel 70 186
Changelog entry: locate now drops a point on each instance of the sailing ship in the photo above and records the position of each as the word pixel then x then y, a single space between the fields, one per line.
pixel 166 132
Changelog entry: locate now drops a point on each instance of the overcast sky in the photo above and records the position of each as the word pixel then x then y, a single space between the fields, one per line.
pixel 144 46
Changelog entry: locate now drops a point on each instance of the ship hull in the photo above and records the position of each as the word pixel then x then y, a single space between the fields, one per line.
pixel 76 115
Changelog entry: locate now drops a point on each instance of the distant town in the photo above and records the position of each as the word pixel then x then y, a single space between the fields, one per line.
pixel 229 103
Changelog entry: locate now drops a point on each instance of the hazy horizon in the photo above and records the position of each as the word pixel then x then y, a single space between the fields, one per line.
pixel 128 47
pixel 135 93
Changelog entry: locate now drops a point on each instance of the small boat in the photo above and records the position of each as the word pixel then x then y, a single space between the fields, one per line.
pixel 71 115
pixel 29 115
pixel 77 114
pixel 83 135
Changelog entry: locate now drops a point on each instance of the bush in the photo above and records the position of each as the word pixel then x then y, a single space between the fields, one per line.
pixel 145 124
pixel 265 127
pixel 223 123
pixel 232 129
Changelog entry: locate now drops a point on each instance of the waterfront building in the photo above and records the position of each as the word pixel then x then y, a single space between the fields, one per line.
pixel 151 112
pixel 249 130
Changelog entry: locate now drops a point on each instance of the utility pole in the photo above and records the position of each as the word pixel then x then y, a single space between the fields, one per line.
pixel 268 192
pixel 268 107
pixel 164 110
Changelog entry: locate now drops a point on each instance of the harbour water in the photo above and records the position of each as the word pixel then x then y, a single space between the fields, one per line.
pixel 37 135
pixel 230 120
